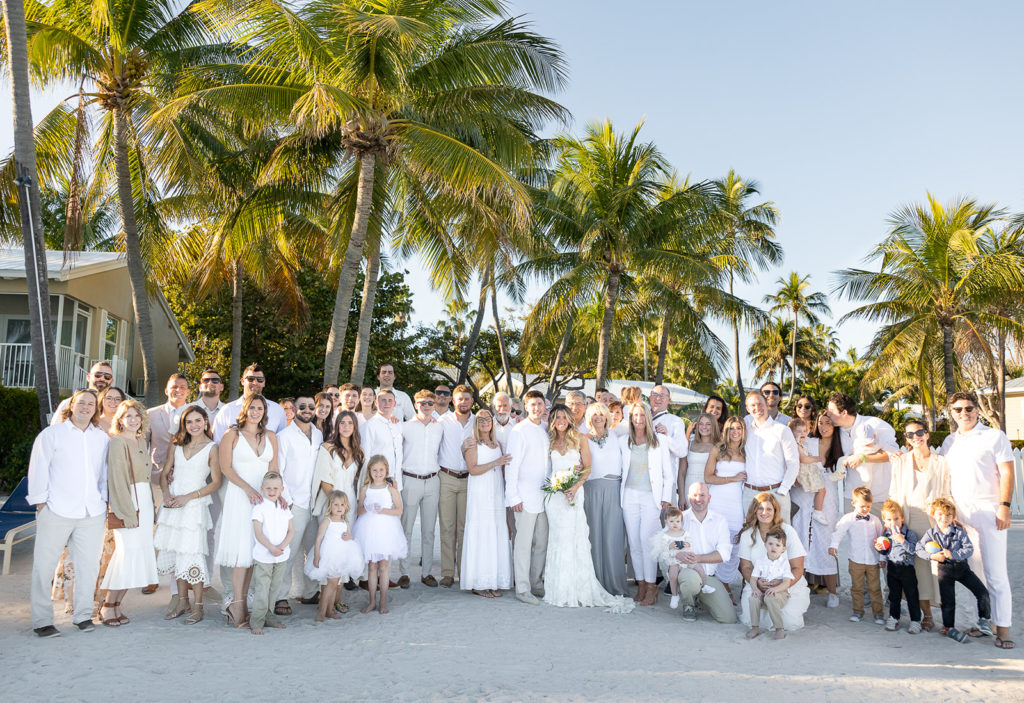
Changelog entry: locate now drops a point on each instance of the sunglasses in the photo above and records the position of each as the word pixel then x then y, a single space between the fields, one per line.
pixel 102 374
pixel 209 380
pixel 442 392
pixel 305 406
pixel 425 402
pixel 805 406
pixel 917 433
pixel 771 392
pixel 964 409
pixel 256 379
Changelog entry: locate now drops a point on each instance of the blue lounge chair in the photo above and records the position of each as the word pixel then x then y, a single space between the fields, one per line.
pixel 17 522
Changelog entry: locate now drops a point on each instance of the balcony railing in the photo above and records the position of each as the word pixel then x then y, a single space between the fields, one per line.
pixel 18 371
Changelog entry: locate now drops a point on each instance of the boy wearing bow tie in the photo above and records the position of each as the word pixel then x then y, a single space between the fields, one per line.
pixel 863 529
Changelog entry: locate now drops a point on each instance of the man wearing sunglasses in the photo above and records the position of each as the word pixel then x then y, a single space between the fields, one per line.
pixel 210 388
pixel 442 400
pixel 254 382
pixel 868 442
pixel 421 448
pixel 980 462
pixel 100 376
pixel 772 394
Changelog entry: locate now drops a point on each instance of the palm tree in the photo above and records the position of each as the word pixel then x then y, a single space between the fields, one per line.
pixel 792 296
pixel 750 229
pixel 769 351
pixel 44 361
pixel 938 278
pixel 410 90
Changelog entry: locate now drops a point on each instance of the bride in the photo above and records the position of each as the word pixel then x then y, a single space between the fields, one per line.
pixel 569 579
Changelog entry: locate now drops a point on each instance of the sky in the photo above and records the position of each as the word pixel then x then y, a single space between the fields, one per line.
pixel 842 112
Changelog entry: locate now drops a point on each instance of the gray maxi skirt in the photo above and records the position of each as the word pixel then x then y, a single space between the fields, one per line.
pixel 607 533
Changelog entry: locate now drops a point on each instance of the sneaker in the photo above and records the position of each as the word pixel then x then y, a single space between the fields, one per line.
pixel 707 589
pixel 85 626
pixel 879 620
pixel 674 603
pixel 856 617
pixel 526 597
pixel 985 626
pixel 891 624
pixel 954 634
pixel 689 614
pixel 47 631
pixel 819 517
pixel 915 628
pixel 833 600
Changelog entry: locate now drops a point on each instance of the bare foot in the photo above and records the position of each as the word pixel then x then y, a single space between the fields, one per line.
pixel 368 607
pixel 333 615
pixel 384 609
pixel 753 632
pixel 257 630
pixel 780 634
pixel 319 617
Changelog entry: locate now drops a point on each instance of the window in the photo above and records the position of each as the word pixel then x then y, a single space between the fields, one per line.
pixel 110 337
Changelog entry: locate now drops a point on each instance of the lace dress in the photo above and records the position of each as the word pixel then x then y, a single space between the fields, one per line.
pixel 180 538
pixel 569 579
pixel 486 558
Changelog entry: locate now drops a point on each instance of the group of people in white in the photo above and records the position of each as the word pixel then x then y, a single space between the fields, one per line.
pixel 308 497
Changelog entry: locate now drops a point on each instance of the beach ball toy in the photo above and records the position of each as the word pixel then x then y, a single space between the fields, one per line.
pixel 933 547
pixel 883 543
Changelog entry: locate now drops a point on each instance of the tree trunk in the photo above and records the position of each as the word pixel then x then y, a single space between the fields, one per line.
pixel 611 297
pixel 44 361
pixel 792 376
pixel 659 374
pixel 474 335
pixel 366 314
pixel 235 375
pixel 136 268
pixel 736 345
pixel 559 356
pixel 506 367
pixel 349 270
pixel 933 410
pixel 1001 380
pixel 947 360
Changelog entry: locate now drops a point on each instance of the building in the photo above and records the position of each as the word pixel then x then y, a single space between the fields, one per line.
pixel 1015 408
pixel 92 318
pixel 680 396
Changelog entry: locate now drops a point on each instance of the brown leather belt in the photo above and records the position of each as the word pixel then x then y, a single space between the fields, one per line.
pixel 762 488
pixel 428 476
pixel 456 474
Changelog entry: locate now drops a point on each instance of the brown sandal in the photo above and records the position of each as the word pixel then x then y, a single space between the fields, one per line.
pixel 282 607
pixel 110 622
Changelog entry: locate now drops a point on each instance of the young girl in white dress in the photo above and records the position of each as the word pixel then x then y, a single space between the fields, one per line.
pixel 486 558
pixel 336 556
pixel 184 519
pixel 666 544
pixel 379 530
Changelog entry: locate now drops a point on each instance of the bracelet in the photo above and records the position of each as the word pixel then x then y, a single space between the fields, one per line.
pixel 1006 503
pixel 863 458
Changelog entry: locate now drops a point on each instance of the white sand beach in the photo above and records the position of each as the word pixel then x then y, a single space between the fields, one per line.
pixel 440 644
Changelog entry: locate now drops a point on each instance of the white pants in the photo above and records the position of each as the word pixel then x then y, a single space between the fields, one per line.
pixel 784 503
pixel 643 520
pixel 84 539
pixel 420 495
pixel 529 551
pixel 989 559
pixel 306 527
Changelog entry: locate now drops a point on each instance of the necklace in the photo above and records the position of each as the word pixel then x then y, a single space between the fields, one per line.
pixel 600 440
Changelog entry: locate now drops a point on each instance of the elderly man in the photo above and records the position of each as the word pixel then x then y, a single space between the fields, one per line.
pixel 100 376
pixel 504 420
pixel 981 480
pixel 577 404
pixel 709 545
pixel 867 443
pixel 457 427
pixel 672 429
pixel 772 456
pixel 403 403
pixel 254 382
pixel 421 449
pixel 772 394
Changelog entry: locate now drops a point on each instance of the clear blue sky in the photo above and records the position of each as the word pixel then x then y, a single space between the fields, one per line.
pixel 842 112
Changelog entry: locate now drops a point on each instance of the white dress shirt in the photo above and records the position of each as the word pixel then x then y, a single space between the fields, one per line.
pixel 863 534
pixel 296 460
pixel 211 414
pixel 974 459
pixel 501 431
pixel 455 433
pixel 381 436
pixel 708 535
pixel 765 568
pixel 772 455
pixel 869 435
pixel 404 409
pixel 227 418
pixel 525 474
pixel 421 446
pixel 675 436
pixel 781 418
pixel 68 470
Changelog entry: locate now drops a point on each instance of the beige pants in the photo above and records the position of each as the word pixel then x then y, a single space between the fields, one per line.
pixel 266 582
pixel 306 526
pixel 84 539
pixel 784 503
pixel 717 604
pixel 451 513
pixel 773 604
pixel 421 496
pixel 869 573
pixel 529 551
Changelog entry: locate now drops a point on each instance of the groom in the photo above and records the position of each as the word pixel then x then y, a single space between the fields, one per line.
pixel 528 445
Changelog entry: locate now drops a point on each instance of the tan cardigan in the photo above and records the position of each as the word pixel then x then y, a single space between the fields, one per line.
pixel 121 474
pixel 932 482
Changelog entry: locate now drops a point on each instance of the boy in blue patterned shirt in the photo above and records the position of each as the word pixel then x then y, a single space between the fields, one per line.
pixel 955 549
pixel 898 558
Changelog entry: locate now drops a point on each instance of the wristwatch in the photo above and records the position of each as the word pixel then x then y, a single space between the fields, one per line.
pixel 1006 503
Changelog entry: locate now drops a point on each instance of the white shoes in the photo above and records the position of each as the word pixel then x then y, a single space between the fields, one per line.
pixel 833 600
pixel 890 624
pixel 707 589
pixel 674 603
pixel 819 517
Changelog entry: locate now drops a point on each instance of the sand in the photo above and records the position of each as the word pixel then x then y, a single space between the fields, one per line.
pixel 442 644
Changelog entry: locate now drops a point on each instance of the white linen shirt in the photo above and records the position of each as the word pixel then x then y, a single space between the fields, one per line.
pixel 381 436
pixel 772 455
pixel 863 534
pixel 781 418
pixel 67 470
pixel 455 433
pixel 974 459
pixel 709 535
pixel 274 524
pixel 404 409
pixel 227 417
pixel 529 446
pixel 501 431
pixel 211 414
pixel 296 460
pixel 869 431
pixel 421 446
pixel 765 568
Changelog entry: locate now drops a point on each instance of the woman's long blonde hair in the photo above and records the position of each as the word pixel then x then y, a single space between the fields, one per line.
pixel 750 521
pixel 652 436
pixel 477 436
pixel 572 437
pixel 716 435
pixel 723 444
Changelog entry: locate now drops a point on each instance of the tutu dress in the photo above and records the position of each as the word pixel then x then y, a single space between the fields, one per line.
pixel 180 538
pixel 235 537
pixel 380 536
pixel 339 558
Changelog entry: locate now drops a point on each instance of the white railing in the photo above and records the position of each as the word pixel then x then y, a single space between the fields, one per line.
pixel 18 371
pixel 1017 509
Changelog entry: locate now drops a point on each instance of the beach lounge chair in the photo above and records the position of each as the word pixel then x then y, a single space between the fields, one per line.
pixel 17 522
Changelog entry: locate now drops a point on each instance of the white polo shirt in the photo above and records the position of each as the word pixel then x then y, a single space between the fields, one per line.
pixel 974 457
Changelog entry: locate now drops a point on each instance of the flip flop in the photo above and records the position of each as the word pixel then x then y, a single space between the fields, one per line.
pixel 341 607
pixel 1004 644
pixel 282 607
pixel 974 632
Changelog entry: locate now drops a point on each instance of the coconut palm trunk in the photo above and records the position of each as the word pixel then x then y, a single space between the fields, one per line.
pixel 1001 380
pixel 349 269
pixel 736 344
pixel 235 375
pixel 557 364
pixel 947 360
pixel 136 269
pixel 43 359
pixel 792 376
pixel 611 297
pixel 474 335
pixel 502 349
pixel 366 314
pixel 659 373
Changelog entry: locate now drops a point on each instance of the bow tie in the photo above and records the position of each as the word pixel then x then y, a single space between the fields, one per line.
pixel 863 517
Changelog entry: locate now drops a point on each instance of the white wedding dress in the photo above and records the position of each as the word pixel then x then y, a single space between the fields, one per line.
pixel 569 580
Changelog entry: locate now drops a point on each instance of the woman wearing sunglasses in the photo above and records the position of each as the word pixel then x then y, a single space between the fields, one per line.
pixel 919 477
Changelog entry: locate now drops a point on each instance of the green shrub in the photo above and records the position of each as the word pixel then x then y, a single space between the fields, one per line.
pixel 20 412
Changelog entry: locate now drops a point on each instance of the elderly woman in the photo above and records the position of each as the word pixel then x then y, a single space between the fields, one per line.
pixel 604 512
pixel 919 477
pixel 133 564
pixel 764 516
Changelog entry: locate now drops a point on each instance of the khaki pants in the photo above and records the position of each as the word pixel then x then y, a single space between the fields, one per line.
pixel 422 496
pixel 529 551
pixel 266 581
pixel 451 512
pixel 306 527
pixel 84 539
pixel 784 503
pixel 859 573
pixel 773 604
pixel 717 604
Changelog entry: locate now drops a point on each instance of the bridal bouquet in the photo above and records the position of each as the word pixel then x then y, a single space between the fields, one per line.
pixel 561 481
